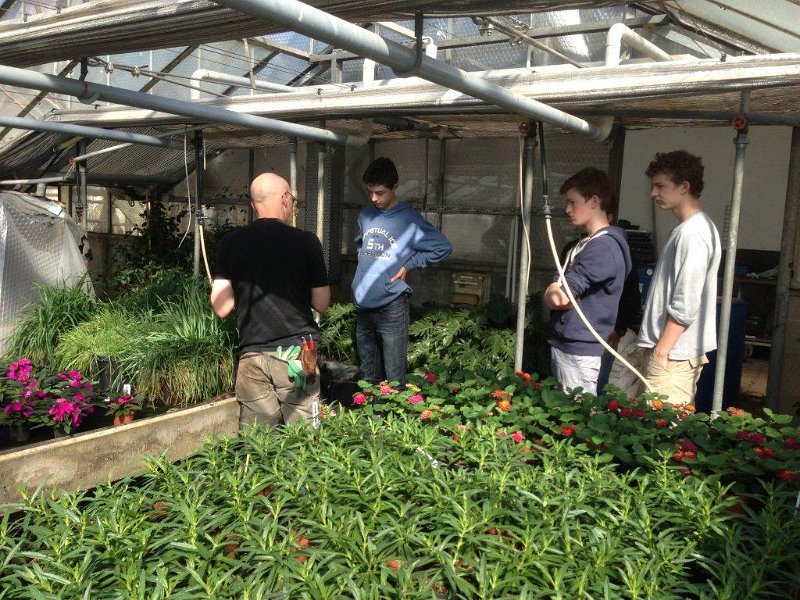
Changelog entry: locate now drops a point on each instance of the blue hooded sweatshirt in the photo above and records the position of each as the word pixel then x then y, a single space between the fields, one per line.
pixel 388 240
pixel 596 278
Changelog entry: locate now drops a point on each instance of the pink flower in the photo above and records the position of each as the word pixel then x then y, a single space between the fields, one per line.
pixel 386 389
pixel 13 407
pixel 75 375
pixel 359 399
pixel 517 436
pixel 62 408
pixel 415 399
pixel 430 377
pixel 688 445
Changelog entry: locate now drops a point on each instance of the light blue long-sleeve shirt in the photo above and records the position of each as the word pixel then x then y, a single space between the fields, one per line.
pixel 388 240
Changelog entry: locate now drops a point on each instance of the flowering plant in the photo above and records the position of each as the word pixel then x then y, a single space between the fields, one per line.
pixel 42 398
pixel 123 405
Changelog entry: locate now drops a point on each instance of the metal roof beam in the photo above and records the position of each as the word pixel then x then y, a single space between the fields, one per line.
pixel 332 30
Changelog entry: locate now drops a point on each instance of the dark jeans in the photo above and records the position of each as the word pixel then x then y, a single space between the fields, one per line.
pixel 606 362
pixel 382 338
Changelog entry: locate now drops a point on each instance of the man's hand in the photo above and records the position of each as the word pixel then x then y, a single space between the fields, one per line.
pixel 401 274
pixel 613 340
pixel 555 298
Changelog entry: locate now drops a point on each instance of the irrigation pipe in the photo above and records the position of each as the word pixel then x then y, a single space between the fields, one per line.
pixel 562 279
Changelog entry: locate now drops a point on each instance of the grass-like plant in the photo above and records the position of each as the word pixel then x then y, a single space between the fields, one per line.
pixel 41 325
pixel 186 356
pixel 366 508
pixel 112 331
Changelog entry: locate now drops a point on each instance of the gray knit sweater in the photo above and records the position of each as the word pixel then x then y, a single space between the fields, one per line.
pixel 684 286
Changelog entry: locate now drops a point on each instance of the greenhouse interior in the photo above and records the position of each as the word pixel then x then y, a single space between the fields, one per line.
pixel 348 299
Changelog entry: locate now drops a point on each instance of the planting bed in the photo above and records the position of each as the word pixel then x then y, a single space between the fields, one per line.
pixel 367 507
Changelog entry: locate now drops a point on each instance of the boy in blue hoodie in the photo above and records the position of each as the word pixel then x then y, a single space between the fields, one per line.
pixel 392 240
pixel 595 270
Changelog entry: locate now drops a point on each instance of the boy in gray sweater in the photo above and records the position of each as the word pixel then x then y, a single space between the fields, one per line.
pixel 679 322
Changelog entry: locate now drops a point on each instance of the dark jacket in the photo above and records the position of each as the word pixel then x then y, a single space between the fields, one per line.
pixel 596 278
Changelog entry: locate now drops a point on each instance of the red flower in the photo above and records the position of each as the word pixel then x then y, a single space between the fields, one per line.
pixel 430 377
pixel 613 405
pixel 787 476
pixel 568 430
pixel 686 445
pixel 742 436
pixel 455 389
pixel 625 413
pixel 639 413
pixel 791 443
pixel 764 452
pixel 517 436
pixel 537 386
pixel 756 439
pixel 660 423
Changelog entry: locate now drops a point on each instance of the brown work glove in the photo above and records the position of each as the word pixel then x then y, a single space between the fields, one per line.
pixel 308 358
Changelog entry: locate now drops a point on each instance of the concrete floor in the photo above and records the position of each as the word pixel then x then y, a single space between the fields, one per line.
pixel 754 378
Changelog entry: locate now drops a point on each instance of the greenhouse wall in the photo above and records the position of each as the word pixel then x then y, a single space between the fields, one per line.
pixel 764 188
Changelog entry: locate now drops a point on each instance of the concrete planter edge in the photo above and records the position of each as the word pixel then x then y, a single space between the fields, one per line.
pixel 85 460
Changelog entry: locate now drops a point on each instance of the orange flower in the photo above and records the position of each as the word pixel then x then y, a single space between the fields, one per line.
pixel 426 414
pixel 661 423
pixel 393 564
pixel 735 412
pixel 657 404
pixel 501 395
pixel 504 405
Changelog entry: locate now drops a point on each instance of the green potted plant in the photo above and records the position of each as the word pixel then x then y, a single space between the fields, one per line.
pixel 123 408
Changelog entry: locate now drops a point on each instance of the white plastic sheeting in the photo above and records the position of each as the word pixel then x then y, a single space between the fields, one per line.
pixel 39 243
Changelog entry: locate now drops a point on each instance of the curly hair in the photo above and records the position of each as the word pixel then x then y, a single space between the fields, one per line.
pixel 679 166
pixel 593 182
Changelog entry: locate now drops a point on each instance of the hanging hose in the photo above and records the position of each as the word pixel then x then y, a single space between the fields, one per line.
pixel 546 209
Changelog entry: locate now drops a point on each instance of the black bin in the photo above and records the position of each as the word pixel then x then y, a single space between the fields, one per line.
pixel 733 362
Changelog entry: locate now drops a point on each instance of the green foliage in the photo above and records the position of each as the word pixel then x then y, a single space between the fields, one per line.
pixel 43 322
pixel 112 331
pixel 186 356
pixel 338 326
pixel 736 447
pixel 366 508
pixel 458 338
pixel 147 286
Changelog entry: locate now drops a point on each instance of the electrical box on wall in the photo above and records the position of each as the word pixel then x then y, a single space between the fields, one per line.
pixel 470 289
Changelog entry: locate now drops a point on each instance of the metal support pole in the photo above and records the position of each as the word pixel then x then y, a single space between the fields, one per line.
pixel 93 92
pixel 524 259
pixel 440 182
pixel 199 167
pixel 293 165
pixel 251 175
pixel 741 142
pixel 321 194
pixel 81 207
pixel 786 267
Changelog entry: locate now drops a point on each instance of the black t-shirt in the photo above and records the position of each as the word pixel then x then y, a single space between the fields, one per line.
pixel 272 267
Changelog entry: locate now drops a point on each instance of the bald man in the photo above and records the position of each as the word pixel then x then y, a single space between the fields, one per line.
pixel 272 274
